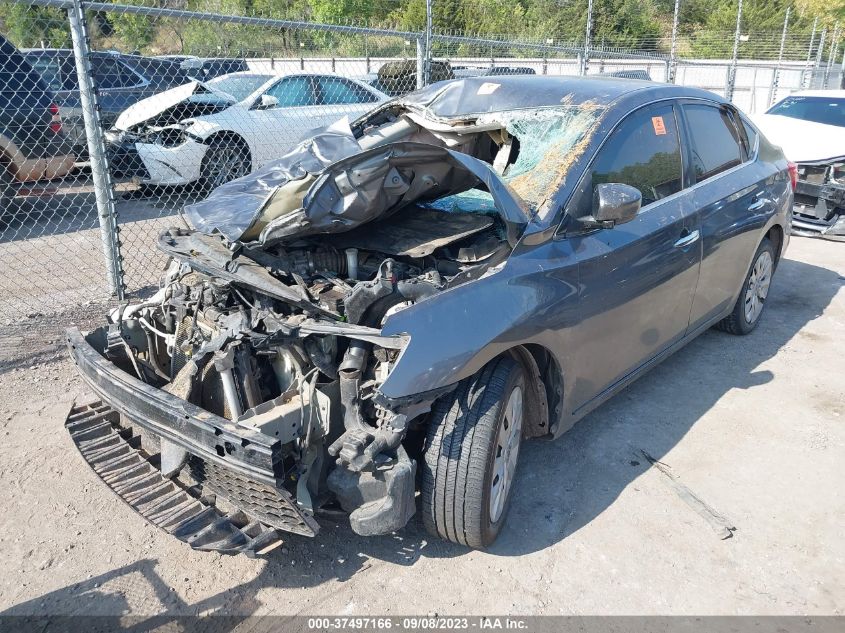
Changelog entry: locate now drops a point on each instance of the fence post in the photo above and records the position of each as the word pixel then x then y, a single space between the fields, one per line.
pixel 819 52
pixel 729 88
pixel 420 63
pixel 585 58
pixel 103 189
pixel 773 86
pixel 842 71
pixel 427 60
pixel 807 72
pixel 673 51
pixel 834 44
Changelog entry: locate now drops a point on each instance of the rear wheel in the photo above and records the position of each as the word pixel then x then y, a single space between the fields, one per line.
pixel 471 453
pixel 752 299
pixel 226 159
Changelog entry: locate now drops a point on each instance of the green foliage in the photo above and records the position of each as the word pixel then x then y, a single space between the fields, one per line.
pixel 135 32
pixel 29 26
pixel 706 26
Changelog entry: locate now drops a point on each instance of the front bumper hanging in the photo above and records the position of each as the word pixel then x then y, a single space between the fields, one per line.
pixel 113 452
pixel 235 463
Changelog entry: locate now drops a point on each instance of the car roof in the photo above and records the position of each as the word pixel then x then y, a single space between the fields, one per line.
pixel 501 93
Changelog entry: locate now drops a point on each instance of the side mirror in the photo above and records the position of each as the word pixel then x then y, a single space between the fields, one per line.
pixel 615 203
pixel 266 102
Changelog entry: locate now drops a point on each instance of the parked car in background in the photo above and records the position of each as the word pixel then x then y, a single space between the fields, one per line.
pixel 33 145
pixel 810 127
pixel 394 306
pixel 462 71
pixel 205 68
pixel 400 77
pixel 175 58
pixel 121 80
pixel 222 129
pixel 640 74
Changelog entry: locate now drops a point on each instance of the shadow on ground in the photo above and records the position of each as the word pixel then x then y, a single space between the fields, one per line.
pixel 561 485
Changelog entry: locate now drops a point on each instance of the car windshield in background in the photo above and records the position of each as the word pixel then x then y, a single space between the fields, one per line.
pixel 827 110
pixel 238 86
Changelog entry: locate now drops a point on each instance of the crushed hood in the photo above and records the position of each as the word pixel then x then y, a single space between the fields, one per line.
pixel 153 107
pixel 328 184
pixel 802 141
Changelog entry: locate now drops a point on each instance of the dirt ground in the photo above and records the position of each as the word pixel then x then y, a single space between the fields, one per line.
pixel 754 427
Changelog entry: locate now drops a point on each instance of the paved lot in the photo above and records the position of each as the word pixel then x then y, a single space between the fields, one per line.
pixel 51 247
pixel 754 427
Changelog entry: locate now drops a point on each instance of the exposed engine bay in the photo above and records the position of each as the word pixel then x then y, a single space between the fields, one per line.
pixel 820 200
pixel 271 312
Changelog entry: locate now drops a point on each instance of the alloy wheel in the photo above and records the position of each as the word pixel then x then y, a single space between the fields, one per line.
pixel 507 451
pixel 758 286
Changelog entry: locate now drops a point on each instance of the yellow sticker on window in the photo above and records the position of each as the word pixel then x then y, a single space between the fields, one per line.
pixel 659 126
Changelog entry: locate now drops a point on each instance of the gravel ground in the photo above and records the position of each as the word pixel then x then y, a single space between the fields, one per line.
pixel 752 426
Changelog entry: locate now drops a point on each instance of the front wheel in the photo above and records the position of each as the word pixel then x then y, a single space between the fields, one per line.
pixel 470 455
pixel 226 159
pixel 752 299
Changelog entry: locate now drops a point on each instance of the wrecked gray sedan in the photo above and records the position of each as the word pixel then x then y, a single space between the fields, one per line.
pixel 375 322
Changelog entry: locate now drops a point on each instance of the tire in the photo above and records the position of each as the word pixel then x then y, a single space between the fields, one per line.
pixel 227 158
pixel 752 298
pixel 472 441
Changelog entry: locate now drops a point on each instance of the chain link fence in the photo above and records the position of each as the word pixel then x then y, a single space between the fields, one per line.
pixel 102 149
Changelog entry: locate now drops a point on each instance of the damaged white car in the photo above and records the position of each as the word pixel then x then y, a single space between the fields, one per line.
pixel 215 131
pixel 810 127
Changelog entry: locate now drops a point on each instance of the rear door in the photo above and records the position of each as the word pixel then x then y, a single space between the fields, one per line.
pixel 271 132
pixel 637 279
pixel 731 199
pixel 339 97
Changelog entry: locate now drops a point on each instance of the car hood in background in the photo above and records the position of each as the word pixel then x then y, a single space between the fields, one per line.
pixel 153 107
pixel 802 141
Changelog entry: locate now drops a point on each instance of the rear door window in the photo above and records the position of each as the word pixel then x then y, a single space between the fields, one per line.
pixel 294 92
pixel 644 151
pixel 110 73
pixel 336 90
pixel 715 141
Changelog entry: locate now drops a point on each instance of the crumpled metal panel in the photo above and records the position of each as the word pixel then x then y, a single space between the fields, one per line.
pixel 349 192
pixel 234 207
pixel 377 182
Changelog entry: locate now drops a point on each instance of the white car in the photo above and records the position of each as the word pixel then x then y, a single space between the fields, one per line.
pixel 215 131
pixel 810 127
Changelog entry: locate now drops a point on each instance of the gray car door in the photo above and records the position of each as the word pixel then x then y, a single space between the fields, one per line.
pixel 732 199
pixel 637 279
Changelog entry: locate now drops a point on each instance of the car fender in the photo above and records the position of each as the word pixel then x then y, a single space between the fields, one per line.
pixel 204 128
pixel 455 333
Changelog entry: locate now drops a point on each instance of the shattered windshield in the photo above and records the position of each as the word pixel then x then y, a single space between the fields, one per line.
pixel 550 140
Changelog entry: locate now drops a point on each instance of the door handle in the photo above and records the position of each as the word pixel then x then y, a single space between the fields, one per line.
pixel 756 206
pixel 687 238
